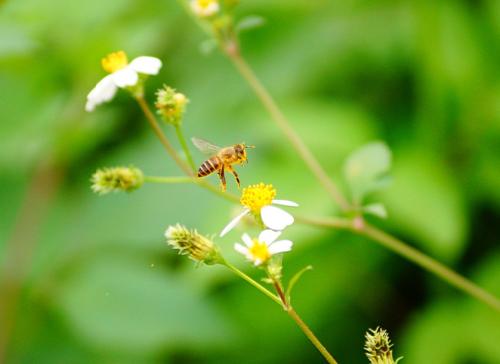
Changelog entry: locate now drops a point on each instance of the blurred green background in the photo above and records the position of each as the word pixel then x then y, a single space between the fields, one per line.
pixel 98 281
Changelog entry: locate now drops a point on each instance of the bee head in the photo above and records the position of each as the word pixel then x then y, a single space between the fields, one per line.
pixel 241 152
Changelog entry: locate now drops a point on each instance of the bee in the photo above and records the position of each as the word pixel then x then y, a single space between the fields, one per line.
pixel 221 160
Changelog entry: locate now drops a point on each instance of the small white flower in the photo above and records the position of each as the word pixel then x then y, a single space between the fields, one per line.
pixel 260 250
pixel 205 8
pixel 259 200
pixel 122 74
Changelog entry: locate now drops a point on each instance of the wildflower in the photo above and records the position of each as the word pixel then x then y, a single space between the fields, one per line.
pixel 260 250
pixel 259 200
pixel 190 242
pixel 171 105
pixel 378 347
pixel 121 75
pixel 205 8
pixel 116 179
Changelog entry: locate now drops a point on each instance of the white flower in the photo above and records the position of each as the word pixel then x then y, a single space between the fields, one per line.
pixel 205 8
pixel 259 200
pixel 122 74
pixel 260 250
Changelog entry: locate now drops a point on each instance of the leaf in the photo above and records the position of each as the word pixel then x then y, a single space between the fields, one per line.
pixel 250 22
pixel 293 281
pixel 426 204
pixel 376 209
pixel 366 169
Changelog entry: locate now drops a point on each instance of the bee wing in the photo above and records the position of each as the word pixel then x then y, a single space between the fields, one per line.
pixel 205 147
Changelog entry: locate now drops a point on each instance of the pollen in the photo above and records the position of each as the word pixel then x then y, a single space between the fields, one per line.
pixel 114 61
pixel 259 251
pixel 204 4
pixel 255 197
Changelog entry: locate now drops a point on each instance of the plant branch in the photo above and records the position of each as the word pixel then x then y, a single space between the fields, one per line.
pixel 283 123
pixel 253 282
pixel 182 141
pixel 301 324
pixel 163 139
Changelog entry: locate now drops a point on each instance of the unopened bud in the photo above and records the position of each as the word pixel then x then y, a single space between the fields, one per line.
pixel 171 105
pixel 114 179
pixel 189 242
pixel 378 347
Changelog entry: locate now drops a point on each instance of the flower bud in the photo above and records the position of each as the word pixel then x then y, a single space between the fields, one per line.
pixel 114 179
pixel 171 105
pixel 198 247
pixel 378 347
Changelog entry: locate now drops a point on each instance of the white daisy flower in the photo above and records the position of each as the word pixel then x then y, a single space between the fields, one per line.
pixel 205 8
pixel 260 250
pixel 259 200
pixel 122 74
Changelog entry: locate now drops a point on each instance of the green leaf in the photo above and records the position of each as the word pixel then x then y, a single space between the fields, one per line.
pixel 293 281
pixel 250 22
pixel 376 209
pixel 366 169
pixel 426 204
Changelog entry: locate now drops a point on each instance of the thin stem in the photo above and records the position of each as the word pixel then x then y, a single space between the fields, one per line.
pixel 182 141
pixel 301 324
pixel 283 123
pixel 253 283
pixel 163 139
pixel 430 265
pixel 401 248
pixel 169 180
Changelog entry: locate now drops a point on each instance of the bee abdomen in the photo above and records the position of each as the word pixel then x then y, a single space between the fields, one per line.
pixel 208 167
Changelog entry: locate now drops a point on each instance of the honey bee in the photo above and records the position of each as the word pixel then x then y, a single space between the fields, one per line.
pixel 221 160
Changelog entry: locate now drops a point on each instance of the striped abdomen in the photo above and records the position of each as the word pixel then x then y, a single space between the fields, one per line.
pixel 209 166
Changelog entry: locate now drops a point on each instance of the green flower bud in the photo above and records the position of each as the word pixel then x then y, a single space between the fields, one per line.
pixel 171 105
pixel 198 247
pixel 378 347
pixel 114 179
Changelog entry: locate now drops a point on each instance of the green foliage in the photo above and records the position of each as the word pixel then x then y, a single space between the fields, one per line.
pixel 422 76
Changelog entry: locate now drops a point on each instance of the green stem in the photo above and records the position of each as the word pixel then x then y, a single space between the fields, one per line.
pixel 253 283
pixel 430 265
pixel 182 141
pixel 283 123
pixel 163 139
pixel 169 180
pixel 301 324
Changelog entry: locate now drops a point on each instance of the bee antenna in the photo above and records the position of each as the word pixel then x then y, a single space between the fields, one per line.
pixel 250 146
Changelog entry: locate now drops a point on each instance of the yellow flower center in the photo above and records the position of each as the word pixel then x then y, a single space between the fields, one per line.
pixel 114 61
pixel 259 251
pixel 255 197
pixel 206 3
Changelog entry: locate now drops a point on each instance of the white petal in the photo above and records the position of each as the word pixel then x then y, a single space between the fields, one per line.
pixel 241 249
pixel 280 246
pixel 125 77
pixel 247 240
pixel 146 65
pixel 104 91
pixel 268 236
pixel 285 203
pixel 275 218
pixel 233 223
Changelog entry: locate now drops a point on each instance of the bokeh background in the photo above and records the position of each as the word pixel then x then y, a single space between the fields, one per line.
pixel 97 283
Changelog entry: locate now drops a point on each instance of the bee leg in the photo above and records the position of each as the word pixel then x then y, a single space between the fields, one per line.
pixel 235 176
pixel 222 177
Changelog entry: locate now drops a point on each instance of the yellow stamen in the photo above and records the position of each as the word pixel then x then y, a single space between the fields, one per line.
pixel 114 61
pixel 206 3
pixel 255 197
pixel 259 251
